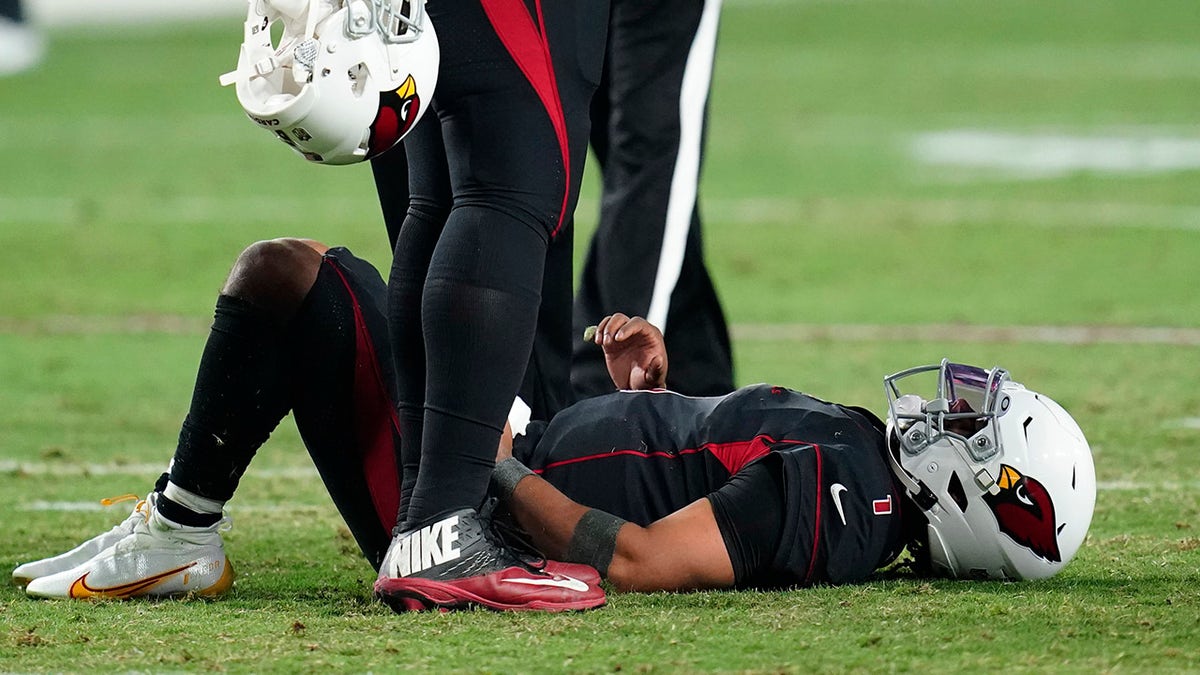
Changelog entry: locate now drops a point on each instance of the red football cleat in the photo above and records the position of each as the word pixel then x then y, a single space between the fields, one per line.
pixel 457 562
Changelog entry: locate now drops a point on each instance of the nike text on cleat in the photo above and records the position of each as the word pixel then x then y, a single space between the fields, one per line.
pixel 159 558
pixel 459 561
pixel 23 574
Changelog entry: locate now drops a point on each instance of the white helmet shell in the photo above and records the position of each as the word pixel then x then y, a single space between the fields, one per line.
pixel 348 79
pixel 1003 474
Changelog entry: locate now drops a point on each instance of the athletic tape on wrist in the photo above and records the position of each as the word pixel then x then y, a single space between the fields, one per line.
pixel 594 540
pixel 506 475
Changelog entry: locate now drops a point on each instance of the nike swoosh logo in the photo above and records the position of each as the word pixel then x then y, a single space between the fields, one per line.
pixel 837 489
pixel 559 581
pixel 80 589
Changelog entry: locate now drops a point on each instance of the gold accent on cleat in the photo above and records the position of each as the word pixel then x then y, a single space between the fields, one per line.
pixel 80 589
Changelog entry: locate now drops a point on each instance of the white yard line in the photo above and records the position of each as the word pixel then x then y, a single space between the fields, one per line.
pixel 743 211
pixel 151 471
pixel 124 12
pixel 1070 335
pixel 236 507
pixel 1052 155
pixel 171 324
pixel 134 324
pixel 119 12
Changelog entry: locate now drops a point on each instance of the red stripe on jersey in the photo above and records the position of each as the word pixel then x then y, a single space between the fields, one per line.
pixel 375 419
pixel 616 453
pixel 529 48
pixel 812 559
pixel 733 455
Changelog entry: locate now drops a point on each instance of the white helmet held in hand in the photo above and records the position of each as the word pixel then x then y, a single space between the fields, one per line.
pixel 348 79
pixel 1003 474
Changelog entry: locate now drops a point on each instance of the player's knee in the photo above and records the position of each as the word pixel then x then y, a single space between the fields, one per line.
pixel 276 272
pixel 428 209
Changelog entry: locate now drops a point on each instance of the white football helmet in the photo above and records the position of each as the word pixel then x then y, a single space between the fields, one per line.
pixel 1003 474
pixel 348 79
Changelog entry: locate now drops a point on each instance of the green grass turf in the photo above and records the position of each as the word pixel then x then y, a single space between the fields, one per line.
pixel 129 182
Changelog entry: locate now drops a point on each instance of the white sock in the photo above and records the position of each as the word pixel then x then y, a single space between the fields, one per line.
pixel 191 500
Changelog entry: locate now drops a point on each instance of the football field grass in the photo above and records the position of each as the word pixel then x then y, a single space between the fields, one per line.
pixel 886 183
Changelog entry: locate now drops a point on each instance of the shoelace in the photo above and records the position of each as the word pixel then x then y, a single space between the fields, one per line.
pixel 510 536
pixel 141 508
pixel 109 501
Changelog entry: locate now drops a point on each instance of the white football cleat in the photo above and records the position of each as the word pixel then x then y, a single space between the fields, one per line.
pixel 159 558
pixel 21 47
pixel 85 551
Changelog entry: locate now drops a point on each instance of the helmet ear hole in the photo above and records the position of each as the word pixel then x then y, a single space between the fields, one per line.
pixel 957 493
pixel 358 79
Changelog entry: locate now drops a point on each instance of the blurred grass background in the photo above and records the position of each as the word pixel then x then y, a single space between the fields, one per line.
pixel 129 181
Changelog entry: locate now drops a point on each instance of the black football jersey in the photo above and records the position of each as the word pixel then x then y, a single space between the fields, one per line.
pixel 801 488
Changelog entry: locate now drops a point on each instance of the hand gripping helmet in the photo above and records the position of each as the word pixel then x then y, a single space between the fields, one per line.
pixel 348 79
pixel 1003 474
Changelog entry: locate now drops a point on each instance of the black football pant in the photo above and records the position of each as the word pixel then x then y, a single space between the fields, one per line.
pixel 646 258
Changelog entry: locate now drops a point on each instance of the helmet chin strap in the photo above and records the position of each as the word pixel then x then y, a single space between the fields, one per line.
pixel 310 22
pixel 303 48
pixel 917 491
pixel 304 53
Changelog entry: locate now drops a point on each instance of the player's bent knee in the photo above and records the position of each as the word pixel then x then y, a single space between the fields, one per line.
pixel 275 272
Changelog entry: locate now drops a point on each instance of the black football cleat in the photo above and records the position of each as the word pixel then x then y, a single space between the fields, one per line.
pixel 458 561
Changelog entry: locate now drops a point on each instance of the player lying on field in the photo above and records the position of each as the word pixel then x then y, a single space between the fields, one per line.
pixel 765 487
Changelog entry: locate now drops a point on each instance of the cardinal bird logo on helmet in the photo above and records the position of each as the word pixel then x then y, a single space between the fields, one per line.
pixel 398 110
pixel 1025 513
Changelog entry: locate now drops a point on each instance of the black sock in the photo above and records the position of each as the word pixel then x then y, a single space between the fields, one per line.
pixel 241 394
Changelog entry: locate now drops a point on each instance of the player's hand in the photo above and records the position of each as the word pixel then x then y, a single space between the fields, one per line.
pixel 634 351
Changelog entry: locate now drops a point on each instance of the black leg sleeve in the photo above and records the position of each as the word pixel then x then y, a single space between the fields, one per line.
pixel 480 306
pixel 240 395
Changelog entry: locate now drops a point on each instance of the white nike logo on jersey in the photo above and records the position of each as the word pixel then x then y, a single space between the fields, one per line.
pixel 558 580
pixel 837 489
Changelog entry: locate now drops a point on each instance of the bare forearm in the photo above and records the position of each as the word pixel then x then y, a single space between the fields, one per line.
pixel 547 515
pixel 680 552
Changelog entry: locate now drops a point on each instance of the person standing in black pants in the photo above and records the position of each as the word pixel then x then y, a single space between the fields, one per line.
pixel 646 257
pixel 493 177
